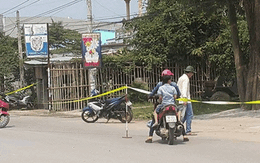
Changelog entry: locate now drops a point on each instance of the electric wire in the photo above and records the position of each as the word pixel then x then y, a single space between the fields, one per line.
pixel 23 7
pixel 53 10
pixel 149 15
pixel 105 7
pixel 133 15
pixel 12 30
pixel 15 7
pixel 52 14
pixel 48 12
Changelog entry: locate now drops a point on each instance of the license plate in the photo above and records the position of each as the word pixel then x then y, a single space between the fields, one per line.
pixel 129 103
pixel 171 118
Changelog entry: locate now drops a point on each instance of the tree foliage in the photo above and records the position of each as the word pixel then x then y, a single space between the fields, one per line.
pixel 9 62
pixel 174 31
pixel 63 40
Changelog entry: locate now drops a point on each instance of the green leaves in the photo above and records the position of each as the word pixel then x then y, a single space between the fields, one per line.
pixel 171 31
pixel 9 62
pixel 63 40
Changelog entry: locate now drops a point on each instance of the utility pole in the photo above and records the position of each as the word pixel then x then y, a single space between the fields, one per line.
pixel 127 2
pixel 92 71
pixel 89 17
pixel 1 23
pixel 20 50
pixel 140 7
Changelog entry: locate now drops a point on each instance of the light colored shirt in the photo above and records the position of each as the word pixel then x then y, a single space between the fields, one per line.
pixel 154 91
pixel 184 86
pixel 167 92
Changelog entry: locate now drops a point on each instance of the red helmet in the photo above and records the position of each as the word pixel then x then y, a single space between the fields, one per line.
pixel 167 72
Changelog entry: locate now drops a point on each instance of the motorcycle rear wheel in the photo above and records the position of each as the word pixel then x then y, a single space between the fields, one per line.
pixel 89 117
pixel 4 120
pixel 171 136
pixel 126 116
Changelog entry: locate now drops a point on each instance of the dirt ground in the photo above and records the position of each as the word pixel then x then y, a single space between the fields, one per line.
pixel 235 124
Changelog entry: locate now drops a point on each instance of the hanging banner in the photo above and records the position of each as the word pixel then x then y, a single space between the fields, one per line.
pixel 36 40
pixel 91 50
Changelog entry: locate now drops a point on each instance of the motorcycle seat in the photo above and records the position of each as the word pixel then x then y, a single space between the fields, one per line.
pixel 108 101
pixel 165 106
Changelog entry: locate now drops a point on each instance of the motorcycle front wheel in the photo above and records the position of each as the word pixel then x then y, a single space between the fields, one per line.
pixel 126 116
pixel 4 120
pixel 89 117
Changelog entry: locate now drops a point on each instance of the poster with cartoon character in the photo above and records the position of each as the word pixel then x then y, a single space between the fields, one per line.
pixel 36 40
pixel 91 50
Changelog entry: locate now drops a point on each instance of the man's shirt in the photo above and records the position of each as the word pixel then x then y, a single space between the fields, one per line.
pixel 184 86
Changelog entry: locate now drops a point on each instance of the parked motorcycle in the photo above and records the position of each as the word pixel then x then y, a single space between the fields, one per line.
pixel 4 115
pixel 20 100
pixel 111 108
pixel 170 126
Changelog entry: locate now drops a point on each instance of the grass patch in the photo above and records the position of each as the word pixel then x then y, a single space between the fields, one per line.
pixel 202 108
pixel 143 111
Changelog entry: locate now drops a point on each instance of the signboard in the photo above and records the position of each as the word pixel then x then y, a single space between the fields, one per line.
pixel 91 50
pixel 36 40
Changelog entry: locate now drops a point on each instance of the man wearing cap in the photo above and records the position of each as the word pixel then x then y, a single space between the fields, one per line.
pixel 184 86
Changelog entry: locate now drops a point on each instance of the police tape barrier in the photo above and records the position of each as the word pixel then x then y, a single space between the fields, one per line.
pixel 18 90
pixel 219 102
pixel 106 93
pixel 103 94
pixel 147 92
pixel 207 102
pixel 140 90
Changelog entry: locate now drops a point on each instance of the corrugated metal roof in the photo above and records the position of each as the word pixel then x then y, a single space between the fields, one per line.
pixel 53 59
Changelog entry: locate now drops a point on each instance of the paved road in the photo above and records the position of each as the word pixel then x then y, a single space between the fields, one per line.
pixel 32 139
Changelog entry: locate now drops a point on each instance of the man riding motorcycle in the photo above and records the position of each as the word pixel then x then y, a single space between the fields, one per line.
pixel 164 74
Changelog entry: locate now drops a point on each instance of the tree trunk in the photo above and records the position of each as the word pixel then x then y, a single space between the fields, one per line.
pixel 252 9
pixel 240 65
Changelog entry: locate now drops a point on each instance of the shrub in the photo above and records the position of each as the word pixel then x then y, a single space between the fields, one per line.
pixel 135 96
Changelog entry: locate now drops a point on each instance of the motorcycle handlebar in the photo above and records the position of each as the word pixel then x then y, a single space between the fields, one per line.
pixel 156 96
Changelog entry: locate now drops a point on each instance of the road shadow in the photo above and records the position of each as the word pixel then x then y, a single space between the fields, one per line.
pixel 178 141
pixel 114 122
pixel 8 127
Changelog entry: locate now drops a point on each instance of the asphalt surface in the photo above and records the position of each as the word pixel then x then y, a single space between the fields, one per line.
pixel 40 136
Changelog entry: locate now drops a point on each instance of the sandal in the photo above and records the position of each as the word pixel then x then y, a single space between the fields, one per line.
pixel 149 140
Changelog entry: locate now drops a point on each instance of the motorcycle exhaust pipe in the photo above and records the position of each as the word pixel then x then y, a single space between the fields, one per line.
pixel 180 127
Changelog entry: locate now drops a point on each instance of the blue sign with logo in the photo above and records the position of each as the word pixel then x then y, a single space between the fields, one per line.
pixel 36 40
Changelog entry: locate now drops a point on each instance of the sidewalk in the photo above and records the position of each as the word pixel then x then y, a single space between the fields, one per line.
pixel 43 112
pixel 235 124
pixel 230 114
